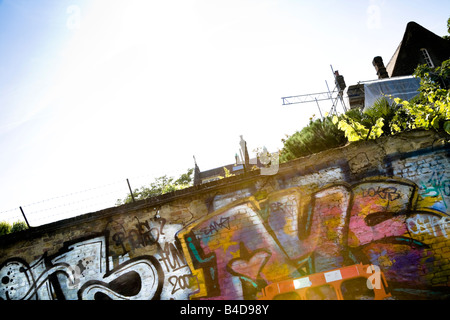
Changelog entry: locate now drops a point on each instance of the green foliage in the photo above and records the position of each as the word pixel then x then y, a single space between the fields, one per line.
pixel 447 37
pixel 430 110
pixel 359 125
pixel 5 227
pixel 227 173
pixel 319 135
pixel 433 81
pixel 19 226
pixel 161 185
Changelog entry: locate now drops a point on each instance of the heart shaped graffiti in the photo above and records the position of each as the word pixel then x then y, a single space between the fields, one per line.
pixel 249 265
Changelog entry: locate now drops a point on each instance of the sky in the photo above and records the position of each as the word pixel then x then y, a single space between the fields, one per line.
pixel 93 93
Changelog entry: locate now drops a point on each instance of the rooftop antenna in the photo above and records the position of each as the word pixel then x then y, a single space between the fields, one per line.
pixel 334 96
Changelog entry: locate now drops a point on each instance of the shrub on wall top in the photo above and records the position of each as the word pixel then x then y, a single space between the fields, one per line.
pixel 6 227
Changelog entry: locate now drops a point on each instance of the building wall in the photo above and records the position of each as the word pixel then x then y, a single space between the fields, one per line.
pixel 382 202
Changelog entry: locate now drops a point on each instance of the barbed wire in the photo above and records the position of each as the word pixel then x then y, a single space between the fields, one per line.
pixel 79 202
pixel 70 194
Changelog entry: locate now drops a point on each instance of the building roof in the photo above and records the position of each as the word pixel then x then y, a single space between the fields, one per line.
pixel 242 165
pixel 408 54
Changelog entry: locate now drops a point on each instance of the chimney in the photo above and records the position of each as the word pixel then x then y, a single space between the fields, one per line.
pixel 380 68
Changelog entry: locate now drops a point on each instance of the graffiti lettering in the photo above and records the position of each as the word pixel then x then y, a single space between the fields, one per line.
pixel 216 226
pixel 137 279
pixel 143 235
pixel 181 282
pixel 436 186
pixel 335 226
pixel 389 193
pixel 172 257
pixel 81 271
pixel 247 243
pixel 428 224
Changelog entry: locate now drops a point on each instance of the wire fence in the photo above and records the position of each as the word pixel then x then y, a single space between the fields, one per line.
pixel 75 203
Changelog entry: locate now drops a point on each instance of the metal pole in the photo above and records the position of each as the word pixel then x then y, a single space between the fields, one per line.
pixel 25 218
pixel 131 192
pixel 333 107
pixel 328 88
pixel 319 109
pixel 332 71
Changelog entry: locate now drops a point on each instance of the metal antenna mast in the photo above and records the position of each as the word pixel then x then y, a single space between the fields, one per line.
pixel 334 96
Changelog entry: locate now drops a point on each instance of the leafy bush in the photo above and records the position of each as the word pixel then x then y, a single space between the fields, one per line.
pixel 319 135
pixel 429 110
pixel 19 226
pixel 161 185
pixel 5 227
pixel 371 124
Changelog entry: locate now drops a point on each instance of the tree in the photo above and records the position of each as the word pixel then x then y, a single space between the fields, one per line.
pixel 159 186
pixel 318 135
pixel 447 37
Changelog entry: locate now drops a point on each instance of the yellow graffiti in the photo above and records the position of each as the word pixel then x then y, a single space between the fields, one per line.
pixel 294 225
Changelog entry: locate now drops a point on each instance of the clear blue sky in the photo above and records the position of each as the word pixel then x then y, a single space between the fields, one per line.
pixel 95 92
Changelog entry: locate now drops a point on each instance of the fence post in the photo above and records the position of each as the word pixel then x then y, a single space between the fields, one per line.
pixel 131 192
pixel 25 218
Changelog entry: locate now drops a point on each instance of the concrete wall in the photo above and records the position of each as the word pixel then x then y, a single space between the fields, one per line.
pixel 382 202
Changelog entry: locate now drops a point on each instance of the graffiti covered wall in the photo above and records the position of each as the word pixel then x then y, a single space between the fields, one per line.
pixel 382 203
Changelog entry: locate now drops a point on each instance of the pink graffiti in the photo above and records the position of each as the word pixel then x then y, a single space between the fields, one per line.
pixel 293 233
